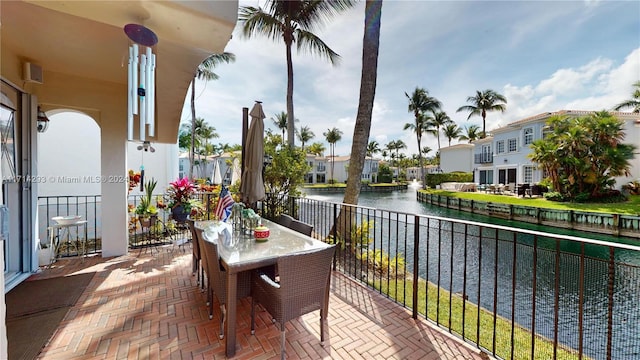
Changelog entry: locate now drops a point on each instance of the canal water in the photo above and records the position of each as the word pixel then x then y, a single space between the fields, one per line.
pixel 626 312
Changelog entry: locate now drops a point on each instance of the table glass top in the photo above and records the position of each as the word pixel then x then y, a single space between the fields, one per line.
pixel 236 247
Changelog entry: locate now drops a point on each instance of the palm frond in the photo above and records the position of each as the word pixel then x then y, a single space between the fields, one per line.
pixel 307 41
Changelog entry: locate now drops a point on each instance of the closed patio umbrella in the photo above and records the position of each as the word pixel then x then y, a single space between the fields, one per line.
pixel 235 174
pixel 252 185
pixel 216 178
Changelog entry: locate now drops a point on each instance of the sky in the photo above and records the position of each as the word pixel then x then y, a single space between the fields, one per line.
pixel 543 56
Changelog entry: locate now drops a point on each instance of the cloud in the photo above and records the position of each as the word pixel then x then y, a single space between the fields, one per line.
pixel 597 85
pixel 542 56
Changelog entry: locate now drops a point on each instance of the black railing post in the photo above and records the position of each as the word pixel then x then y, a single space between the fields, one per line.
pixel 495 290
pixel 533 296
pixel 335 232
pixel 451 274
pixel 416 262
pixel 464 281
pixel 581 304
pixel 514 268
pixel 610 288
pixel 556 300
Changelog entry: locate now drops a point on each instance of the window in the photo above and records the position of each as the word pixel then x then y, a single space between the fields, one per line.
pixel 486 177
pixel 513 145
pixel 500 146
pixel 527 172
pixel 487 156
pixel 528 136
pixel 7 137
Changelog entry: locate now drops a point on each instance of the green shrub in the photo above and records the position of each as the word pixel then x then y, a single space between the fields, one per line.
pixel 385 175
pixel 554 196
pixel 437 179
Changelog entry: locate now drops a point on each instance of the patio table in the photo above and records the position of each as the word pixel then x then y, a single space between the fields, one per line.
pixel 241 252
pixel 61 234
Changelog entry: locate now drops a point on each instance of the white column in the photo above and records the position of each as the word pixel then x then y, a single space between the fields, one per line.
pixel 114 217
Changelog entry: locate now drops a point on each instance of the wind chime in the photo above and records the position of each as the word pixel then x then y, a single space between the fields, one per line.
pixel 141 84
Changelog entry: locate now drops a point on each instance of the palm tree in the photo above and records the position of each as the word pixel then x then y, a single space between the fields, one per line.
pixel 440 120
pixel 425 150
pixel 204 71
pixel 373 148
pixel 422 105
pixel 206 133
pixel 333 136
pixel 634 102
pixel 280 121
pixel 304 135
pixel 452 131
pixel 391 147
pixel 317 148
pixel 482 102
pixel 472 133
pixel 292 21
pixel 395 145
pixel 368 80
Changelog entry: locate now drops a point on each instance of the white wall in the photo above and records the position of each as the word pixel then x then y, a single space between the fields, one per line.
pixel 456 158
pixel 69 158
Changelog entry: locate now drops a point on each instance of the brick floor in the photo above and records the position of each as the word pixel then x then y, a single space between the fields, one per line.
pixel 147 306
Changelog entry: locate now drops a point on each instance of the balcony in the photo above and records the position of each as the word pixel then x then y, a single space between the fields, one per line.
pixel 380 303
pixel 149 306
pixel 483 158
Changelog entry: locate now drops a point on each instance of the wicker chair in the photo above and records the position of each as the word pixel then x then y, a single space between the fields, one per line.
pixel 217 281
pixel 196 268
pixel 303 287
pixel 285 220
pixel 301 227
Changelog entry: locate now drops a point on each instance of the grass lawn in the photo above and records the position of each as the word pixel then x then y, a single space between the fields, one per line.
pixel 325 186
pixel 630 207
pixel 521 337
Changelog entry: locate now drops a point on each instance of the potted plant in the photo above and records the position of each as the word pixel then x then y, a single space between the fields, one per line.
pixel 146 211
pixel 180 201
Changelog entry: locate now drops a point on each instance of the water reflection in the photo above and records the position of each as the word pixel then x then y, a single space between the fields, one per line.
pixel 496 268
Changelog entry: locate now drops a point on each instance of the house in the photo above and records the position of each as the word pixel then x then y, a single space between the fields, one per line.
pixel 340 170
pixel 60 56
pixel 457 158
pixel 318 172
pixel 503 157
pixel 228 162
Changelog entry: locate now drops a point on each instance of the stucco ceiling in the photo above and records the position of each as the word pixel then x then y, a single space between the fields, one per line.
pixel 86 39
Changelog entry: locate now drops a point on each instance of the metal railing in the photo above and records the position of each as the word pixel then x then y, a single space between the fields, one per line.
pixel 482 158
pixel 604 223
pixel 88 206
pixel 514 293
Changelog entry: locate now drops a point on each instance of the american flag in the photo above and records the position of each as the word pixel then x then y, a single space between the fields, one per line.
pixel 225 203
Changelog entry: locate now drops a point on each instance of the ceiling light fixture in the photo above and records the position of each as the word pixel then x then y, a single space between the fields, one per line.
pixel 43 121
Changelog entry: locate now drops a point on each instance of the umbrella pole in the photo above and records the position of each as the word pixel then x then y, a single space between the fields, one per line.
pixel 245 130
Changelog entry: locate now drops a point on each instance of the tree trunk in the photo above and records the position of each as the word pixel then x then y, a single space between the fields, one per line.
pixel 290 115
pixel 193 127
pixel 420 161
pixel 362 127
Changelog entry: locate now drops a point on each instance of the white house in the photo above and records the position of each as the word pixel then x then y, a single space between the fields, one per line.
pixel 502 158
pixel 341 168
